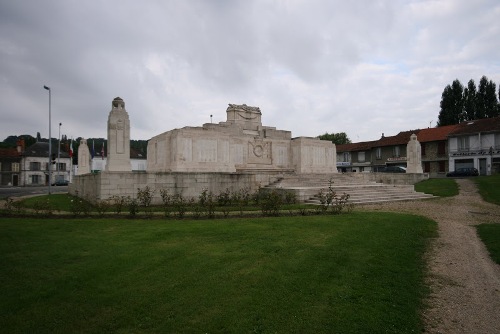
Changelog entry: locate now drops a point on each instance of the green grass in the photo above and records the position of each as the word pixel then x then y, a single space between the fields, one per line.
pixel 354 273
pixel 490 235
pixel 438 187
pixel 489 188
pixel 59 202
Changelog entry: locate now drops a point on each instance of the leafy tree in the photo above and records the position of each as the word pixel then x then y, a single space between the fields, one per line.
pixel 470 101
pixel 487 105
pixel 336 138
pixel 452 104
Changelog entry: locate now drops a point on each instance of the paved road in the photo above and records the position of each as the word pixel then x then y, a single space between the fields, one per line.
pixel 26 191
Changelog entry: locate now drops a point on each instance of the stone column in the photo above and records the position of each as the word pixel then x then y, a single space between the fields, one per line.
pixel 414 155
pixel 83 158
pixel 118 138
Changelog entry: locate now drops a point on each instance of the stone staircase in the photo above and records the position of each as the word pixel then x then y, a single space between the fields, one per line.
pixel 307 187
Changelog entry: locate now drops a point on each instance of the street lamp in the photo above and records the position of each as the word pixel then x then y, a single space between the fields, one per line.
pixel 59 150
pixel 49 166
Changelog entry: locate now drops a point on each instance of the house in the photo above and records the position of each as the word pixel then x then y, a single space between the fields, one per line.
pixel 476 144
pixel 10 166
pixel 434 148
pixel 391 151
pixel 371 156
pixel 35 162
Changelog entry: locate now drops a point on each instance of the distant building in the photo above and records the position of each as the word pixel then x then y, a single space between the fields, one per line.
pixel 476 144
pixel 10 165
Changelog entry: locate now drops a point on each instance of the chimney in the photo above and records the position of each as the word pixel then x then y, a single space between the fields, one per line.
pixel 382 135
pixel 20 146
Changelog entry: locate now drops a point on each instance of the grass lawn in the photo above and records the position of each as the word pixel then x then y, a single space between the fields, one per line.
pixel 353 273
pixel 489 188
pixel 438 187
pixel 490 235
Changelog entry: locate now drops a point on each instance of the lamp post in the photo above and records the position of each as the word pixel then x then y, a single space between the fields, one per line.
pixel 59 150
pixel 49 166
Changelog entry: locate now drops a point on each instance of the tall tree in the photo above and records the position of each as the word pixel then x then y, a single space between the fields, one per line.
pixel 452 104
pixel 487 103
pixel 336 138
pixel 470 101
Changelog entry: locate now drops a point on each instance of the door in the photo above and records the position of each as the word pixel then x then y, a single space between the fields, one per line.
pixel 15 180
pixel 482 166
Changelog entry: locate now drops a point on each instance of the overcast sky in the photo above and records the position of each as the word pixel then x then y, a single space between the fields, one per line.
pixel 360 67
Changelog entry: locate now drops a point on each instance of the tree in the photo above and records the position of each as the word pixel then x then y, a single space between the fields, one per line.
pixel 487 105
pixel 470 101
pixel 452 104
pixel 336 138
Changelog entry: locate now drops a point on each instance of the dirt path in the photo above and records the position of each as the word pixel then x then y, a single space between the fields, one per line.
pixel 464 281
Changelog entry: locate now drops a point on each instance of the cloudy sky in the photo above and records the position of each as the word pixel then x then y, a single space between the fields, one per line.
pixel 312 66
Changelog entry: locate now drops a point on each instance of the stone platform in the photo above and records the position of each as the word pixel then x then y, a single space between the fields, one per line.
pixel 362 188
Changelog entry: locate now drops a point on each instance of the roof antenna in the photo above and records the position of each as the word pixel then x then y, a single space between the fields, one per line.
pixel 430 124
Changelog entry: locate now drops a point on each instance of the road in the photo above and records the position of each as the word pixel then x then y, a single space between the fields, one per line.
pixel 28 191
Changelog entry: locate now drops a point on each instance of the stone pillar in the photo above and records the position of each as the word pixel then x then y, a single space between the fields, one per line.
pixel 83 158
pixel 118 138
pixel 414 155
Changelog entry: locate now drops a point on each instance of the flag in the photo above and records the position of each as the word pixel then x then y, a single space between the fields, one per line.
pixel 102 151
pixel 93 150
pixel 71 149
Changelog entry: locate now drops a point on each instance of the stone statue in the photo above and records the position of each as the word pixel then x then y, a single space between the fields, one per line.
pixel 413 155
pixel 83 158
pixel 118 138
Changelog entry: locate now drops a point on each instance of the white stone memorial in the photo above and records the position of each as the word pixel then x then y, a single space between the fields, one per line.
pixel 83 158
pixel 413 155
pixel 241 144
pixel 118 138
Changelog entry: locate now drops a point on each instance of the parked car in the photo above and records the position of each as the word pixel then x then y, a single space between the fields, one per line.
pixel 394 169
pixel 464 172
pixel 61 183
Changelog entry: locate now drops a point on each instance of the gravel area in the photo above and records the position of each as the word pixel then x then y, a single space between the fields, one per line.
pixel 464 281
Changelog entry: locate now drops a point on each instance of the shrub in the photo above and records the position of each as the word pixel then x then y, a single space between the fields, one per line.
pixel 133 206
pixel 118 203
pixel 166 199
pixel 180 205
pixel 144 198
pixel 102 207
pixel 270 203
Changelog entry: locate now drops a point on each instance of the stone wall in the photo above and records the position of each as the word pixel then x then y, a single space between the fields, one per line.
pixel 107 184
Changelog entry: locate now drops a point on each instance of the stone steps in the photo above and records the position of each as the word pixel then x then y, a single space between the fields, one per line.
pixel 307 188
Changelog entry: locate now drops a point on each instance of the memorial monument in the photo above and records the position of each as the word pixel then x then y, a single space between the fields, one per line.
pixel 83 158
pixel 240 144
pixel 118 138
pixel 414 155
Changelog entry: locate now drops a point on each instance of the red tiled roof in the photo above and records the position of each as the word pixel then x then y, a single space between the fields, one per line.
pixel 476 126
pixel 401 138
pixel 9 152
pixel 435 134
pixel 352 147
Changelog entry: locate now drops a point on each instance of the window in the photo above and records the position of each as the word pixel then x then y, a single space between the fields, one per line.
pixel 442 166
pixel 61 166
pixel 442 148
pixel 396 151
pixel 427 167
pixel 422 146
pixel 15 166
pixel 35 179
pixel 378 153
pixel 497 140
pixel 463 143
pixel 347 157
pixel 361 156
pixel 34 165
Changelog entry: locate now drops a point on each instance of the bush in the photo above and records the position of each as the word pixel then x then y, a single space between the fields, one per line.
pixel 145 197
pixel 270 203
pixel 166 199
pixel 118 203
